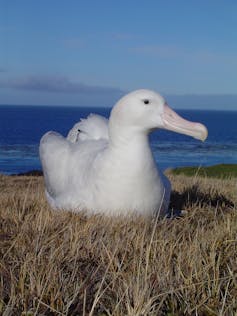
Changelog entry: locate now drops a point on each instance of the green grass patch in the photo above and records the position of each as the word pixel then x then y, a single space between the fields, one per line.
pixel 216 171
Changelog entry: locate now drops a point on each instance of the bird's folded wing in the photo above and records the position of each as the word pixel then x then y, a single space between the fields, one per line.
pixel 94 127
pixel 54 152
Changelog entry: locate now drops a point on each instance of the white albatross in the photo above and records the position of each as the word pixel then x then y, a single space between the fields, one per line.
pixel 107 166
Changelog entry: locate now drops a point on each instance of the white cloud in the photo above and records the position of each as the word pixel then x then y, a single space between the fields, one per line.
pixel 74 42
pixel 175 52
pixel 123 36
pixel 158 50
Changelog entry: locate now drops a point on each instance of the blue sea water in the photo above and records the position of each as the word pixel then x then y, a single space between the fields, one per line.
pixel 21 128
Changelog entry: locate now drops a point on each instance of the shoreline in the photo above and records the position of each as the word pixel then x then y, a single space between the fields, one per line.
pixel 213 171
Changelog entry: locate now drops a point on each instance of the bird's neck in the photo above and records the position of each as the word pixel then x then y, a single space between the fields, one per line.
pixel 130 145
pixel 123 136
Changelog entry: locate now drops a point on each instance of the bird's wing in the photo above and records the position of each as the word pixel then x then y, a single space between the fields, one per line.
pixel 94 127
pixel 54 152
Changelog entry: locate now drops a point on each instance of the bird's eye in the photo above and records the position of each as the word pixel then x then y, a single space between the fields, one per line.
pixel 146 101
pixel 79 130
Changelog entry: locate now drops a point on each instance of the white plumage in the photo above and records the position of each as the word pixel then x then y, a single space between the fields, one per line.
pixel 106 166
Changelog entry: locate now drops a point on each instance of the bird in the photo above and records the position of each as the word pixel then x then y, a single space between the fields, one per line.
pixel 106 166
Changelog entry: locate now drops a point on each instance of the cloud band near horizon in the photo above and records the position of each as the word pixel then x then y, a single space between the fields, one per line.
pixel 90 94
pixel 60 84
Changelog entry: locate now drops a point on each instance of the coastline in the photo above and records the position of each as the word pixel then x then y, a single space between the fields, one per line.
pixel 213 171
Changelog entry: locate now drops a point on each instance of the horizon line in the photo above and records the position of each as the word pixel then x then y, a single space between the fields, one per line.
pixel 110 107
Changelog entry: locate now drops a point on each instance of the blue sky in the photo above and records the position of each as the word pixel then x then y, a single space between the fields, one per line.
pixel 91 52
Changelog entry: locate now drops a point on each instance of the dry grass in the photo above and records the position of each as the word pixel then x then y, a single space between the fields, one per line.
pixel 56 263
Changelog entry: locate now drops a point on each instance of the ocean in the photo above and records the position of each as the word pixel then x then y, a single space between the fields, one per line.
pixel 21 128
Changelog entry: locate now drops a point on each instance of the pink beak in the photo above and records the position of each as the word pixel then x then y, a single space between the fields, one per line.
pixel 174 122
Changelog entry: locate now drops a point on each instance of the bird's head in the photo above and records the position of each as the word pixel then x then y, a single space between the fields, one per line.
pixel 145 110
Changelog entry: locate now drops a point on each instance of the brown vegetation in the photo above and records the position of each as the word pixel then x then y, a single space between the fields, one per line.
pixel 59 263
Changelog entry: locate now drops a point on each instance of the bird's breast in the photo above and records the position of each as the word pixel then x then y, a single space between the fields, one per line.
pixel 128 184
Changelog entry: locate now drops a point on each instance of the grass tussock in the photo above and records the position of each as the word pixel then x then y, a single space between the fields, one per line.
pixel 59 263
pixel 223 171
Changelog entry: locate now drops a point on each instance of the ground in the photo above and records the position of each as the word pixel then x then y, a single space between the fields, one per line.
pixel 60 263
